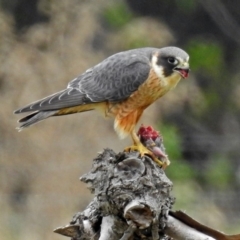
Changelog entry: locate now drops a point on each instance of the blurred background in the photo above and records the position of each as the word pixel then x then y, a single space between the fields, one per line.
pixel 44 44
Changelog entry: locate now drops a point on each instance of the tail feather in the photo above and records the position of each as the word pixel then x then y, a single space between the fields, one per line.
pixel 26 118
pixel 34 118
pixel 38 116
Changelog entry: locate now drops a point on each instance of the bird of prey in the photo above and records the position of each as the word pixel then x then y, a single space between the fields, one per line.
pixel 122 86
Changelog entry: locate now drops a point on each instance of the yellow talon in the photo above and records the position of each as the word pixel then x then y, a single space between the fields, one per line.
pixel 138 146
pixel 144 151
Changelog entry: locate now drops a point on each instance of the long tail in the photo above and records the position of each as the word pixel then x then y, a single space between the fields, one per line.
pixel 41 115
pixel 68 101
pixel 34 118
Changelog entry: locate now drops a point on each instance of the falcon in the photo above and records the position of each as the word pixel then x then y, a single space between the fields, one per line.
pixel 122 86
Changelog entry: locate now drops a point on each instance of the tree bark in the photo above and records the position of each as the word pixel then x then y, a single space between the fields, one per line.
pixel 132 200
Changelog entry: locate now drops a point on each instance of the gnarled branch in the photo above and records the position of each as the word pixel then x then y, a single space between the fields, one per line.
pixel 132 200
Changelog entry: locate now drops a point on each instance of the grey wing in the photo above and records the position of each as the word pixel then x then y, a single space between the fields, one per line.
pixel 114 79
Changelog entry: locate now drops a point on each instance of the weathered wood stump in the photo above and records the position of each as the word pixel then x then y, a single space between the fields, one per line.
pixel 132 198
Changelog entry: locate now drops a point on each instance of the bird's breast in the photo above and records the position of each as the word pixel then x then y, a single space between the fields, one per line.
pixel 152 89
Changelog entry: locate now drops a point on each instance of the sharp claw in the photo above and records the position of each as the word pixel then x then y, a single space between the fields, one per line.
pixel 144 151
pixel 156 160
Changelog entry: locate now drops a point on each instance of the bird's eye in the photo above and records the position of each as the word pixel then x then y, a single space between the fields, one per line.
pixel 172 60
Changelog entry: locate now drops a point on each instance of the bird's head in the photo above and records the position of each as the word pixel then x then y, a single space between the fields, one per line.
pixel 170 60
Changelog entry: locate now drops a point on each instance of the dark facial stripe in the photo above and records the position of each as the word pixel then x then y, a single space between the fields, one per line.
pixel 167 67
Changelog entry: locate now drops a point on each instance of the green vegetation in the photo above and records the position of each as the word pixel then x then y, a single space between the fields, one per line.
pixel 206 57
pixel 181 170
pixel 187 6
pixel 117 15
pixel 219 172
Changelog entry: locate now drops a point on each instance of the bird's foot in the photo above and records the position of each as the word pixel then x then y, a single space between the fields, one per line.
pixel 144 151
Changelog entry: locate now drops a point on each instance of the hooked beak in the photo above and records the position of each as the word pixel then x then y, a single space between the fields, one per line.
pixel 182 70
